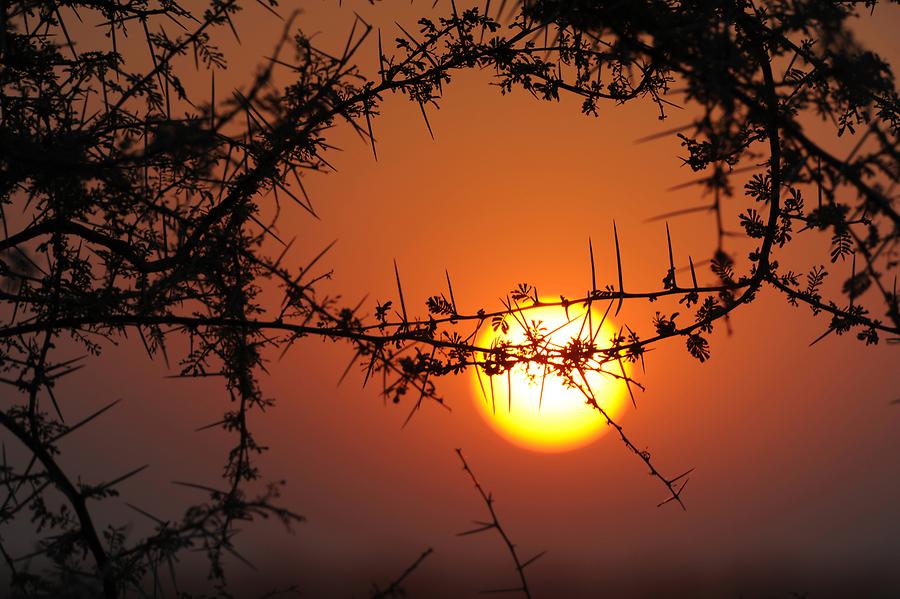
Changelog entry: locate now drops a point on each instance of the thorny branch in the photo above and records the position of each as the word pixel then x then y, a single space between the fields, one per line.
pixel 130 205
pixel 494 524
pixel 395 589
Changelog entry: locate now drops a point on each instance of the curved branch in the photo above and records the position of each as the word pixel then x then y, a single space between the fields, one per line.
pixel 87 527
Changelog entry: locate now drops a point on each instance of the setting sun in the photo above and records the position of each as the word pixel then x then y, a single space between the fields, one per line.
pixel 533 405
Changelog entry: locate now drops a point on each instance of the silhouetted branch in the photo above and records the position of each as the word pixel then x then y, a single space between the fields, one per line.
pixel 395 589
pixel 87 529
pixel 494 524
pixel 146 210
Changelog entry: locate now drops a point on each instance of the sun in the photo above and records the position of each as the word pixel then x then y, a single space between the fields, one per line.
pixel 532 405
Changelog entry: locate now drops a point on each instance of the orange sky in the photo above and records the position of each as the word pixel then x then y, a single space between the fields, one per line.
pixel 796 485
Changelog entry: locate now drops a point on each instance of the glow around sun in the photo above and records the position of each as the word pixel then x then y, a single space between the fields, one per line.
pixel 531 405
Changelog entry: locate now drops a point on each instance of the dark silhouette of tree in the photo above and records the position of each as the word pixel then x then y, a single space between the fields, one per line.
pixel 132 206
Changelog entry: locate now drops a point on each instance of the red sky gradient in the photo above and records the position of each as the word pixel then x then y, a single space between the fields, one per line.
pixel 796 487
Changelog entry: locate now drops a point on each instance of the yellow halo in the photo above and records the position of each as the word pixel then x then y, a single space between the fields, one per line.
pixel 544 413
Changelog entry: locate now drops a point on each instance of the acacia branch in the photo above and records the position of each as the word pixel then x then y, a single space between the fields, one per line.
pixel 88 530
pixel 495 525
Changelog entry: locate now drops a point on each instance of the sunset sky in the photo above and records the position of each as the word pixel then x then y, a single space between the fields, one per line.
pixel 796 485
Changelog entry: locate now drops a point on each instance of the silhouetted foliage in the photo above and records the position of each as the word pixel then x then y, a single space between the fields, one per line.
pixel 131 205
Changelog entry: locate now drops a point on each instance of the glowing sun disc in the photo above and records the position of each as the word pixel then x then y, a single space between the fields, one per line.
pixel 543 413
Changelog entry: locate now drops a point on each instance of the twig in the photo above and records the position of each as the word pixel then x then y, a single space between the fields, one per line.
pixel 495 525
